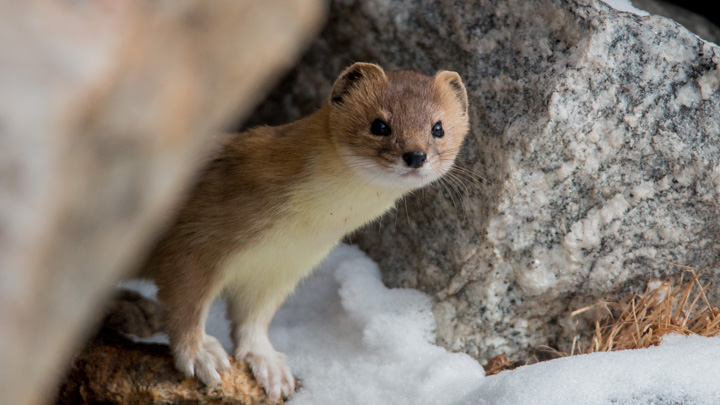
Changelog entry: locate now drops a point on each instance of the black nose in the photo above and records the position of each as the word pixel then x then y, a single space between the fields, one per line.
pixel 414 159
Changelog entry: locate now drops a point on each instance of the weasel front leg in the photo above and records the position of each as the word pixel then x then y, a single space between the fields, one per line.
pixel 186 302
pixel 250 311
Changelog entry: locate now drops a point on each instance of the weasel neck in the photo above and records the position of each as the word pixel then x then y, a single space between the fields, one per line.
pixel 329 196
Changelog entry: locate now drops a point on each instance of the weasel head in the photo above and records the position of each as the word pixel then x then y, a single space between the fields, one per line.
pixel 397 129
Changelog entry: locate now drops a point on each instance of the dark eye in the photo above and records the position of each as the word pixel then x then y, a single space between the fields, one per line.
pixel 437 130
pixel 379 127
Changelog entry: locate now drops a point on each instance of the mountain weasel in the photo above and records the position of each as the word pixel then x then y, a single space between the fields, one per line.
pixel 273 201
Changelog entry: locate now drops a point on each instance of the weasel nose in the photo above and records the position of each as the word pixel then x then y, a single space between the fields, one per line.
pixel 414 159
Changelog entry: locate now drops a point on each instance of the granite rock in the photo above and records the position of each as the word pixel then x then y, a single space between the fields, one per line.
pixel 698 24
pixel 593 162
pixel 106 109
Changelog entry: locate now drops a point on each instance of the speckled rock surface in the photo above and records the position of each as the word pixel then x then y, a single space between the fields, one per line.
pixel 696 23
pixel 597 132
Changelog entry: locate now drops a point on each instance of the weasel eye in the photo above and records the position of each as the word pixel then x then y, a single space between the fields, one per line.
pixel 437 130
pixel 379 127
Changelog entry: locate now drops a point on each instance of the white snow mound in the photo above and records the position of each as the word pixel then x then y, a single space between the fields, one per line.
pixel 351 340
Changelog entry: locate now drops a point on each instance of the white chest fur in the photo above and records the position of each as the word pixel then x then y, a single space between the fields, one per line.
pixel 317 215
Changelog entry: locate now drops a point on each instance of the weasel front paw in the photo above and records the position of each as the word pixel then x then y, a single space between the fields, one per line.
pixel 206 362
pixel 272 372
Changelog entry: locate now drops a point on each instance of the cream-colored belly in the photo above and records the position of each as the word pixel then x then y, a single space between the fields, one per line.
pixel 281 257
pixel 269 269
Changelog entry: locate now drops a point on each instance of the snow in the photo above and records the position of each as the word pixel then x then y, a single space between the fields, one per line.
pixel 626 6
pixel 350 338
pixel 682 370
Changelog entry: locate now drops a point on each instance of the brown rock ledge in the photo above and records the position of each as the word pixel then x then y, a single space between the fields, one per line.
pixel 111 369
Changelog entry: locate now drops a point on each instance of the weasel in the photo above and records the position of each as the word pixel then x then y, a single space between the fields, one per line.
pixel 273 202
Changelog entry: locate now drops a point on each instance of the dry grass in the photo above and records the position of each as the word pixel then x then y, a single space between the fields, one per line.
pixel 638 321
pixel 641 320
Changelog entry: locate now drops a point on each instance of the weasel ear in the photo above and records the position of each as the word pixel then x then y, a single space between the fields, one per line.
pixel 351 77
pixel 445 80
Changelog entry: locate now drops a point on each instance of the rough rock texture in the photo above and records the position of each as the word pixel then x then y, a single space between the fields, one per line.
pixel 113 370
pixel 696 23
pixel 105 110
pixel 597 131
pixel 132 313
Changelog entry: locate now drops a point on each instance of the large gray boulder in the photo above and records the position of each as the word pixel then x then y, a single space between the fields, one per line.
pixel 596 131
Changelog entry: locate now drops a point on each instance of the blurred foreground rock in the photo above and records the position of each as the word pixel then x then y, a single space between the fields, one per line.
pixel 106 108
pixel 113 370
pixel 598 132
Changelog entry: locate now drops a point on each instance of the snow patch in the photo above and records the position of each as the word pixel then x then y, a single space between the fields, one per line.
pixel 625 6
pixel 682 370
pixel 349 337
pixel 351 340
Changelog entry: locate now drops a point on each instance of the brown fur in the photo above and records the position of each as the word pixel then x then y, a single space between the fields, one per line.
pixel 274 181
